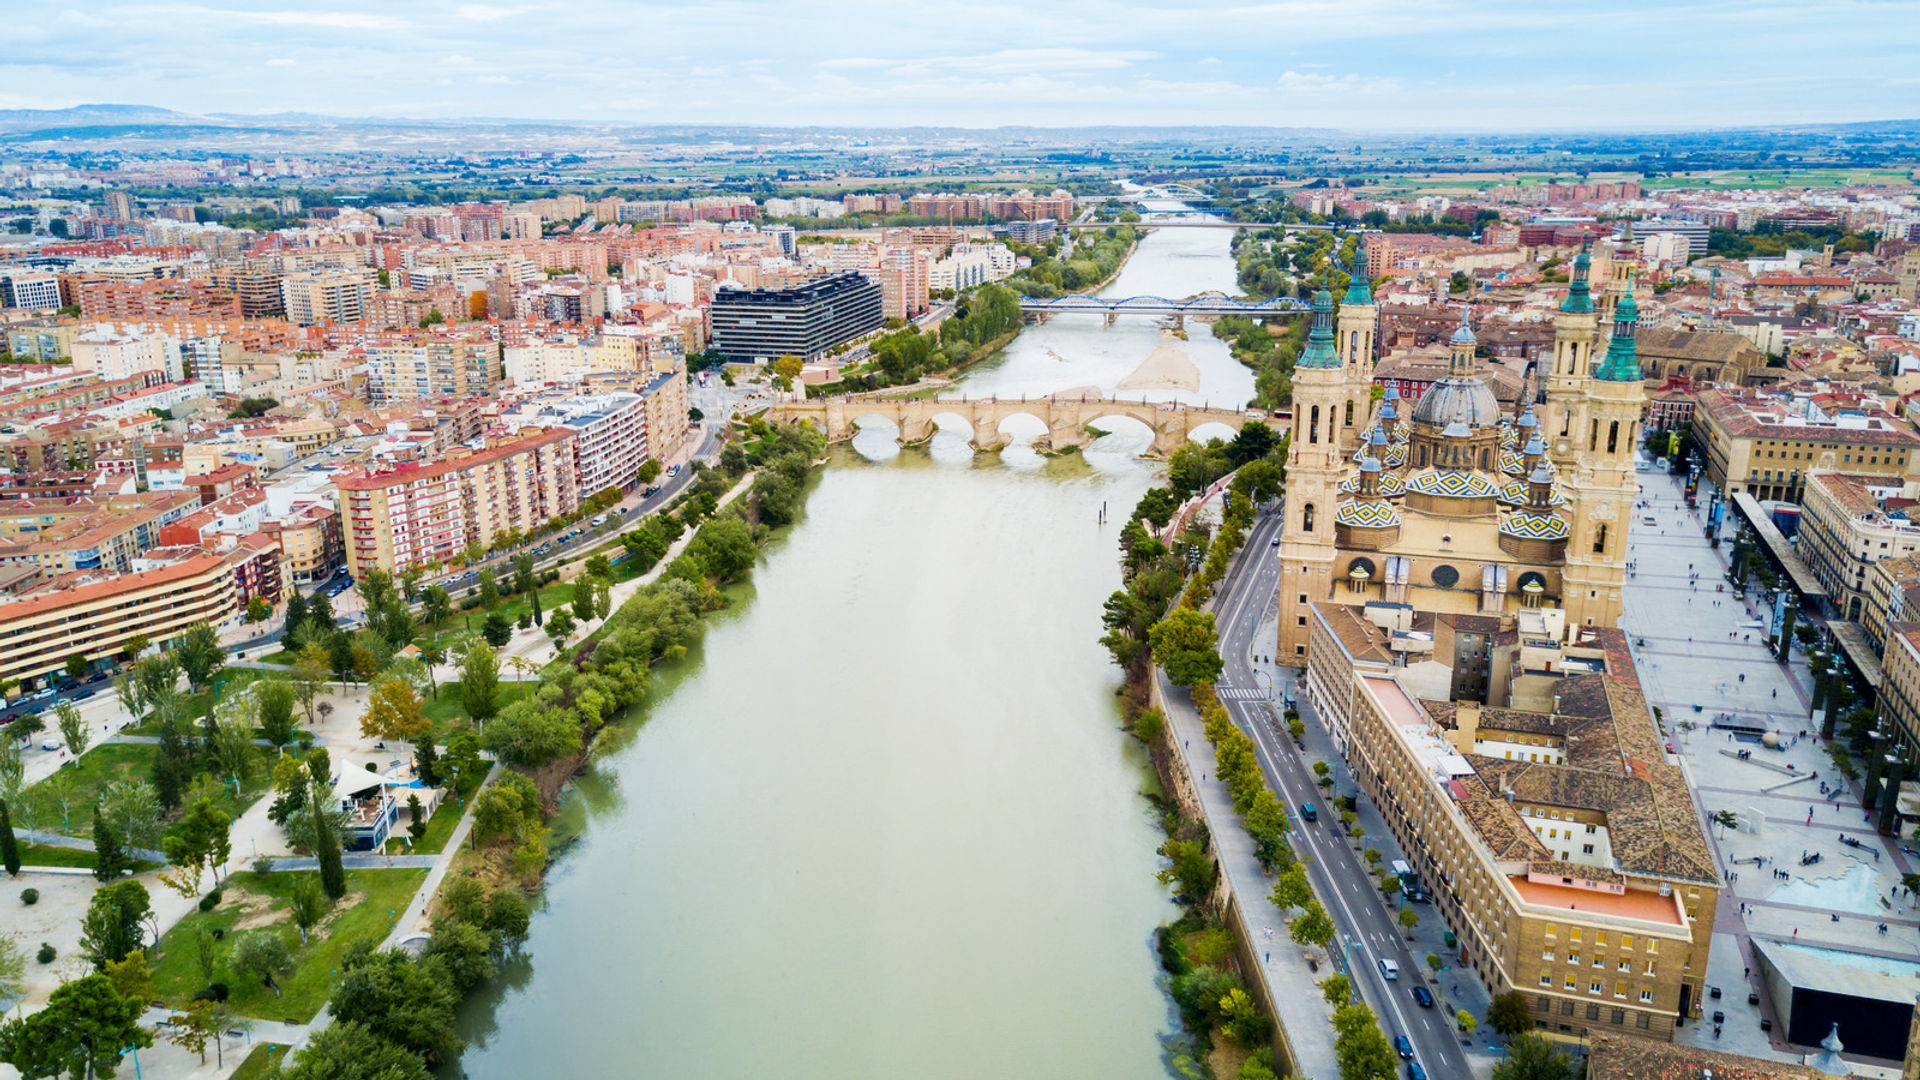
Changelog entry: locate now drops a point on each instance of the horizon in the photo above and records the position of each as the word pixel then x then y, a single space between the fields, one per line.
pixel 1380 67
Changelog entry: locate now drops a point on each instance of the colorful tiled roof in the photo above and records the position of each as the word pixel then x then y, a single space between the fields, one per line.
pixel 1391 486
pixel 1514 493
pixel 1531 526
pixel 1453 485
pixel 1367 514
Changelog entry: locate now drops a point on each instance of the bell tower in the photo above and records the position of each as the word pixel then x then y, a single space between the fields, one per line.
pixel 1575 330
pixel 1321 391
pixel 1602 483
pixel 1354 343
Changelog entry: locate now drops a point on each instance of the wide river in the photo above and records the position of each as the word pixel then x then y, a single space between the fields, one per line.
pixel 884 823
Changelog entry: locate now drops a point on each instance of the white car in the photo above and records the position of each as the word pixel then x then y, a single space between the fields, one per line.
pixel 50 744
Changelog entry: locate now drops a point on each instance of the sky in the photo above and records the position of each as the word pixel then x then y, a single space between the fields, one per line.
pixel 1363 65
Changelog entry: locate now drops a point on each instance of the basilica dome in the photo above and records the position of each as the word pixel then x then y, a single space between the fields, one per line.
pixel 1465 398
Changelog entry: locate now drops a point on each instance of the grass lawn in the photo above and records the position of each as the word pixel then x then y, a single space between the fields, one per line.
pixel 260 1061
pixel 32 855
pixel 440 825
pixel 253 901
pixel 449 715
pixel 92 771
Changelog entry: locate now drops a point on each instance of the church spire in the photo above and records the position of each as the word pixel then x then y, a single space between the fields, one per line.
pixel 1623 361
pixel 1320 352
pixel 1461 362
pixel 1579 297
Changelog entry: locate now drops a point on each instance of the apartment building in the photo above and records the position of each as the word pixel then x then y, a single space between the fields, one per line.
pixel 108 354
pixel 44 342
pixel 418 514
pixel 758 325
pixel 1573 867
pixel 1893 595
pixel 1849 522
pixel 327 297
pixel 1766 444
pixel 610 429
pixel 311 545
pixel 33 289
pixel 436 367
pixel 94 615
pixel 109 299
pixel 667 416
pixel 1900 685
pixel 88 533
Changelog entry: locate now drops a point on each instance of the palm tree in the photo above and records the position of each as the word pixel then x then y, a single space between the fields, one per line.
pixel 433 654
pixel 520 665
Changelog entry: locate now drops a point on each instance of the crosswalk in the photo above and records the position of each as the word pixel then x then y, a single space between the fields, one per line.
pixel 1237 693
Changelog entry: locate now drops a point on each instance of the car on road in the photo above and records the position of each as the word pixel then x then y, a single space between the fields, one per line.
pixel 1414 1071
pixel 1276 542
pixel 1389 969
pixel 1307 811
pixel 1404 1045
pixel 1423 996
pixel 84 695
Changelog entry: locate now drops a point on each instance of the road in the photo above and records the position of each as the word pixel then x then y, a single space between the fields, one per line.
pixel 1338 873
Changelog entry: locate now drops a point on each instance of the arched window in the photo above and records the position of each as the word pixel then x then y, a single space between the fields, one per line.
pixel 1566 424
pixel 1593 436
pixel 1349 412
pixel 1484 459
pixel 1613 436
pixel 1600 539
pixel 1353 347
pixel 1313 429
pixel 1306 518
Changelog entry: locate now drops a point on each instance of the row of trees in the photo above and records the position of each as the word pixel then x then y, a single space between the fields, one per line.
pixel 1089 262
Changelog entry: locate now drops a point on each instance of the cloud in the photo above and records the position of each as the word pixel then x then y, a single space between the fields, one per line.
pixel 487 12
pixel 1211 61
pixel 328 20
pixel 280 61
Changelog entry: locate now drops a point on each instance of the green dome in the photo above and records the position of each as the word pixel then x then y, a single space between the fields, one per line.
pixel 1319 352
pixel 1358 291
pixel 1579 299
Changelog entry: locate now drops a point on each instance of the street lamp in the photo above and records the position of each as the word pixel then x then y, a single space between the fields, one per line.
pixel 1259 674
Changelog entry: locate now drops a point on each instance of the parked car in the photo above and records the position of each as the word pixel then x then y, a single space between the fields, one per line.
pixel 50 744
pixel 1424 996
pixel 1404 1045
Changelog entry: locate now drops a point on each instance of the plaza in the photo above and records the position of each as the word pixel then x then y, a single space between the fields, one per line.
pixel 1701 656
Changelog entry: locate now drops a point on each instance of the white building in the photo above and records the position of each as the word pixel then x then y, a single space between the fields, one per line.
pixel 110 354
pixel 612 439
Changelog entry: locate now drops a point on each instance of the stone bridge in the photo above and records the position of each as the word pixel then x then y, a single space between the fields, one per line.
pixel 1066 417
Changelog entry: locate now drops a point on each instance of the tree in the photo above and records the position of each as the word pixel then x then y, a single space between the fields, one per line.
pixel 1311 926
pixel 489 589
pixel 326 842
pixel 1292 890
pixel 306 903
pixel 1361 1049
pixel 394 712
pixel 417 815
pixel 13 973
pixel 84 1029
pixel 584 604
pixel 73 729
pixel 132 977
pixel 132 810
pixel 296 615
pixel 509 916
pixel 258 610
pixel 498 629
pixel 263 954
pixel 560 625
pixel 1243 1022
pixel 310 670
pixel 432 655
pixel 785 370
pixel 364 663
pixel 199 653
pixel 649 471
pixel 9 846
pixel 1184 643
pixel 109 859
pixel 724 548
pixel 436 604
pixel 351 1051
pixel 320 614
pixel 231 746
pixel 464 952
pixel 538 615
pixel 1466 1021
pixel 77 666
pixel 1337 990
pixel 524 581
pixel 1532 1057
pixel 399 999
pixel 113 924
pixel 13 771
pixel 480 683
pixel 198 1030
pixel 273 704
pixel 199 842
pixel 172 767
pixel 1409 918
pixel 206 953
pixel 1508 1014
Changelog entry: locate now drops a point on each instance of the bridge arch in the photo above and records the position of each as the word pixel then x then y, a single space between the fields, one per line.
pixel 875 434
pixel 1212 429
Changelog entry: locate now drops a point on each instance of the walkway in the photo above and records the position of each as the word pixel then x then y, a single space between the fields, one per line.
pixel 81 843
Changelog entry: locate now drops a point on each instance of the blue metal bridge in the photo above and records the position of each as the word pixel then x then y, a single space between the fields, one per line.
pixel 1159 305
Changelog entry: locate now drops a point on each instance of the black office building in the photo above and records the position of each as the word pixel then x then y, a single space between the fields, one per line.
pixel 758 325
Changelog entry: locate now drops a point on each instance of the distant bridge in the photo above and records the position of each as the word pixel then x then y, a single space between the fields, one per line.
pixel 1156 305
pixel 1211 223
pixel 1066 417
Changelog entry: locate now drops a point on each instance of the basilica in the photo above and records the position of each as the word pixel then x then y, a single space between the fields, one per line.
pixel 1447 504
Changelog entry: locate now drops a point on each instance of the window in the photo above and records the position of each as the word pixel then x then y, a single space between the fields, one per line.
pixel 1619 1017
pixel 1653 945
pixel 1313 428
pixel 1619 989
pixel 1613 436
pixel 1594 988
pixel 1573 958
pixel 1566 1009
pixel 1600 539
pixel 1599 961
pixel 1306 518
pixel 1546 954
pixel 1302 621
pixel 1643 1021
pixel 1650 967
pixel 1646 995
pixel 1542 1003
pixel 1587 849
pixel 1573 934
pixel 1626 941
pixel 1590 831
pixel 1593 1012
pixel 1573 983
pixel 1350 409
pixel 1626 965
pixel 1552 930
pixel 1546 978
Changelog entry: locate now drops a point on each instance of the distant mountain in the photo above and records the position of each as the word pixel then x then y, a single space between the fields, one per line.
pixel 92 116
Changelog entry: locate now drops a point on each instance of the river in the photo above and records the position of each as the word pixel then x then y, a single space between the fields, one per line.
pixel 883 823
